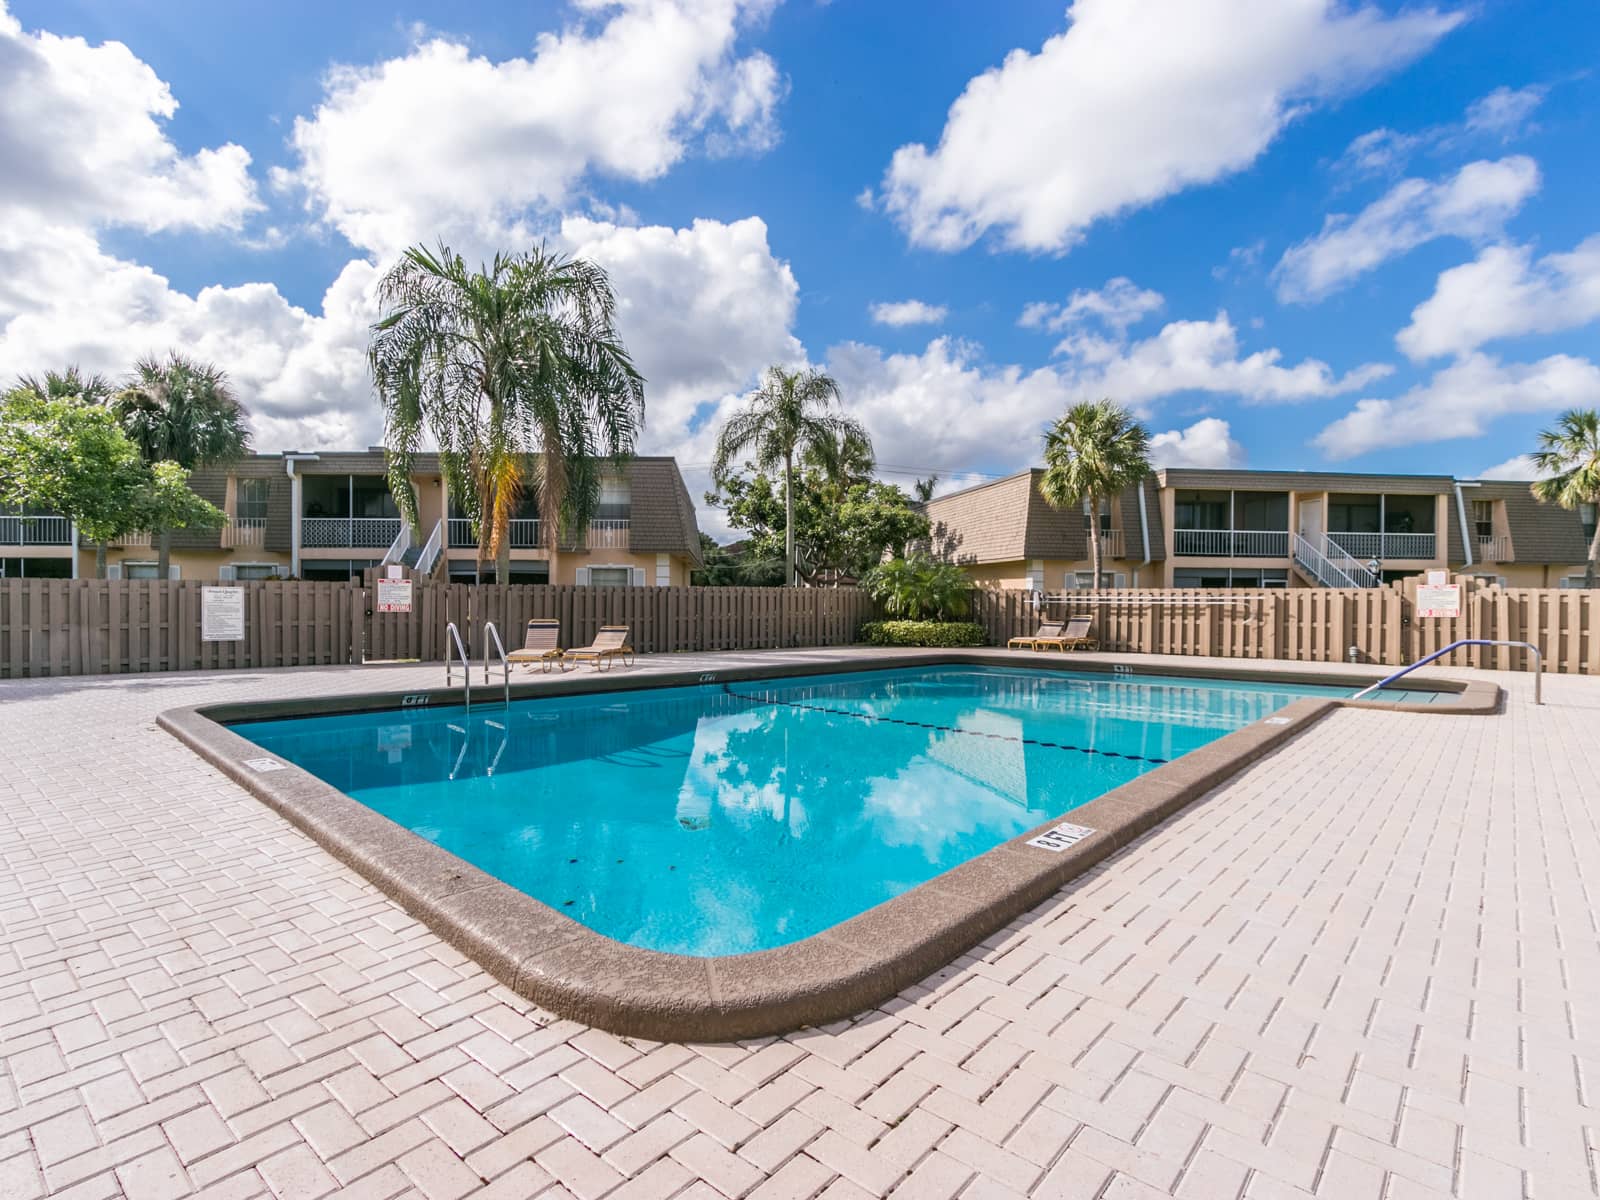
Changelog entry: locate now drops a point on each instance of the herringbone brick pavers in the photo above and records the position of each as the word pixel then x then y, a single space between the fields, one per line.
pixel 1369 966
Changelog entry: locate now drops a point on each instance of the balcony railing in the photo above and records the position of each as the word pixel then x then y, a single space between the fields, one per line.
pixel 605 533
pixel 376 533
pixel 1492 549
pixel 1384 546
pixel 242 533
pixel 35 531
pixel 1110 543
pixel 1231 543
pixel 521 532
pixel 135 540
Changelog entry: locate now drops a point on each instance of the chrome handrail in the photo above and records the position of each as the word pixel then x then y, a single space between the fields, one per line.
pixel 454 635
pixel 1538 665
pixel 490 631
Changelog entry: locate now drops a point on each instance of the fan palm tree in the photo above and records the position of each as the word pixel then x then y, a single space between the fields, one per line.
pixel 180 410
pixel 1569 457
pixel 71 384
pixel 517 373
pixel 1095 451
pixel 791 414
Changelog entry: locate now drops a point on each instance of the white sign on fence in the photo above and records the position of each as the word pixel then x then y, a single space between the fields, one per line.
pixel 221 614
pixel 394 571
pixel 394 595
pixel 1438 578
pixel 1442 601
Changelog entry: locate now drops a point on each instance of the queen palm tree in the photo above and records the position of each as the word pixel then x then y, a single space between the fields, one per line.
pixel 1095 451
pixel 791 414
pixel 517 373
pixel 1569 457
pixel 181 410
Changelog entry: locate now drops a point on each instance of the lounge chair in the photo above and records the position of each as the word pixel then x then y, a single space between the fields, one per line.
pixel 1048 630
pixel 540 646
pixel 1076 636
pixel 609 644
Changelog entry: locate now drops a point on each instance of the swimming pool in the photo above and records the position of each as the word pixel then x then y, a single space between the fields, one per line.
pixel 733 817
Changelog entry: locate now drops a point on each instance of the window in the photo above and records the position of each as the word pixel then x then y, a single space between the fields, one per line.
pixel 250 502
pixel 247 571
pixel 139 570
pixel 1200 510
pixel 35 568
pixel 1586 513
pixel 1084 580
pixel 1572 581
pixel 335 570
pixel 610 576
pixel 1222 577
pixel 1348 515
pixel 616 500
pixel 1261 511
pixel 1105 515
pixel 1483 519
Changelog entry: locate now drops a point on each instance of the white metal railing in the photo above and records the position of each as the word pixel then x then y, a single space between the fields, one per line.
pixel 491 633
pixel 1492 549
pixel 16 530
pixel 452 638
pixel 428 556
pixel 1110 543
pixel 607 533
pixel 1337 570
pixel 458 532
pixel 366 532
pixel 242 532
pixel 1381 546
pixel 1231 543
pixel 139 537
pixel 396 553
pixel 521 532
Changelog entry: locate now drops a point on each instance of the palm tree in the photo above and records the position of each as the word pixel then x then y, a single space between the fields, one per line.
pixel 923 488
pixel 1569 457
pixel 71 384
pixel 180 410
pixel 517 373
pixel 1095 451
pixel 791 414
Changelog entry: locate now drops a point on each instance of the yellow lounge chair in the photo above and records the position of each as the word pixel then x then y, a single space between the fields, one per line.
pixel 1076 636
pixel 540 646
pixel 1048 630
pixel 610 643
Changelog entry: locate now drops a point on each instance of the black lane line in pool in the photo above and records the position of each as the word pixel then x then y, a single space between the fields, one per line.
pixel 1002 737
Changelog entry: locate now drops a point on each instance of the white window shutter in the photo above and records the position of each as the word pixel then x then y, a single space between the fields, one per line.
pixel 581 577
pixel 283 570
pixel 225 573
pixel 1119 580
pixel 113 570
pixel 638 577
pixel 174 571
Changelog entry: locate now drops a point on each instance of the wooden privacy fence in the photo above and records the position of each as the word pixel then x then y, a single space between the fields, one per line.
pixel 1320 624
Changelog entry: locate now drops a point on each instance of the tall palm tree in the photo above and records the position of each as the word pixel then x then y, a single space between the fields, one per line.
pixel 517 373
pixel 1095 451
pixel 791 414
pixel 1569 455
pixel 181 410
pixel 71 384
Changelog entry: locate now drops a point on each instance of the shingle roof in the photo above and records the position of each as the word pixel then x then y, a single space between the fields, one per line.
pixel 1540 533
pixel 1007 520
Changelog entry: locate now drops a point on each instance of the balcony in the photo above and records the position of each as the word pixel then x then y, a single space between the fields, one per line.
pixel 1230 543
pixel 368 533
pixel 244 533
pixel 1110 544
pixel 522 533
pixel 35 531
pixel 604 533
pixel 1491 549
pixel 1384 546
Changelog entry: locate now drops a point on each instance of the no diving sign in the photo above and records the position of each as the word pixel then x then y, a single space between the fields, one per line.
pixel 1062 837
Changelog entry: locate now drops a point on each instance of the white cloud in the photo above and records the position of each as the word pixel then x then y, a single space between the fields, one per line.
pixel 899 313
pixel 1461 400
pixel 1515 469
pixel 1207 443
pixel 83 137
pixel 1502 293
pixel 1133 102
pixel 1117 305
pixel 445 143
pixel 1504 112
pixel 1474 203
pixel 1501 116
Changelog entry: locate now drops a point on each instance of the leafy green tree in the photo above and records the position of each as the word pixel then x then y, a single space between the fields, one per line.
pixel 74 459
pixel 919 588
pixel 1569 455
pixel 791 415
pixel 182 411
pixel 1095 451
pixel 726 567
pixel 518 374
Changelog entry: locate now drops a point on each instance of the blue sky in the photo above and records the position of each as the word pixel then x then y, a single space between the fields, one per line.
pixel 1290 233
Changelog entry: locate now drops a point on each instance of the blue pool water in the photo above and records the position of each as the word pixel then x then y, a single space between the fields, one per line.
pixel 720 819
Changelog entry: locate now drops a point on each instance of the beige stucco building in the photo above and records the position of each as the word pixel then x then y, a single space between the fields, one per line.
pixel 330 516
pixel 1200 528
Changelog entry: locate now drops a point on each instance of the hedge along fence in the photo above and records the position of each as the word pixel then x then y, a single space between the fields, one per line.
pixel 100 626
pixel 1320 624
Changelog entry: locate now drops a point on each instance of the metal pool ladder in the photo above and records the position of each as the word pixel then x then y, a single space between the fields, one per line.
pixel 452 634
pixel 489 631
pixel 1538 665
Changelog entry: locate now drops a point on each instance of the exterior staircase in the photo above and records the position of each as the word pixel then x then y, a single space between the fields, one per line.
pixel 1324 564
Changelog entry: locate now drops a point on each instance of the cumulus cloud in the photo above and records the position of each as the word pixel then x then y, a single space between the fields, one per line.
pixel 1461 400
pixel 1131 103
pixel 1505 292
pixel 1117 305
pixel 83 136
pixel 1505 112
pixel 443 142
pixel 1518 468
pixel 1207 443
pixel 1501 116
pixel 908 312
pixel 1474 203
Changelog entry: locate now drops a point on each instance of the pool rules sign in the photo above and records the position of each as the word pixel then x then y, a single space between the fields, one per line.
pixel 221 614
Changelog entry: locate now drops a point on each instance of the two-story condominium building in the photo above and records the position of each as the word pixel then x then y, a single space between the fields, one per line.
pixel 1188 528
pixel 330 515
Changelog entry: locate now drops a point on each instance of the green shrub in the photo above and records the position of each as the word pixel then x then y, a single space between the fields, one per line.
pixel 923 633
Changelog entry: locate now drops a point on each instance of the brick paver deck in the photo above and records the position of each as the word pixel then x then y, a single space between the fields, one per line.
pixel 1368 967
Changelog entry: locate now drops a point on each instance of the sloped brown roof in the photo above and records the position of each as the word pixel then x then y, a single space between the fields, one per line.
pixel 662 518
pixel 1009 519
pixel 1304 481
pixel 1540 532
